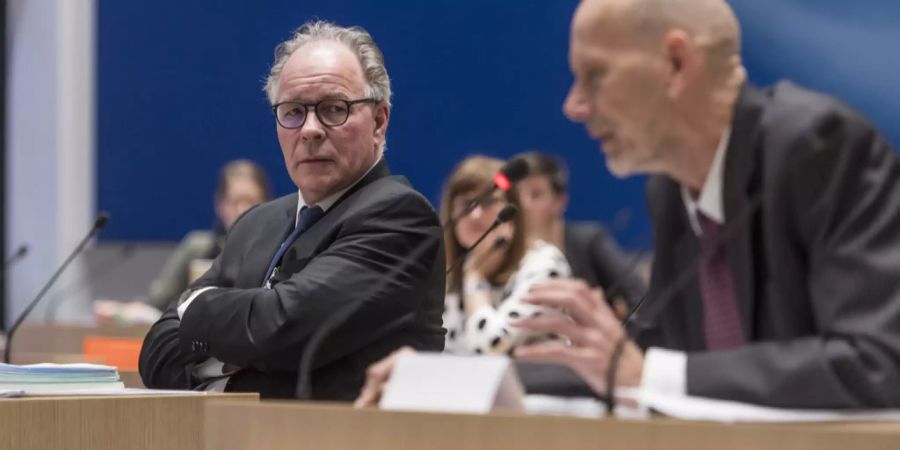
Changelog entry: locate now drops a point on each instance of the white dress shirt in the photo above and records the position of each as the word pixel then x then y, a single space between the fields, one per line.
pixel 665 371
pixel 212 367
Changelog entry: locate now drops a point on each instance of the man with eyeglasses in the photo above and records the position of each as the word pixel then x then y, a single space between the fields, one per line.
pixel 291 264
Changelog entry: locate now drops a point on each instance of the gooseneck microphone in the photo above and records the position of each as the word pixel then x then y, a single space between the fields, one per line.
pixel 511 173
pixel 99 223
pixel 505 215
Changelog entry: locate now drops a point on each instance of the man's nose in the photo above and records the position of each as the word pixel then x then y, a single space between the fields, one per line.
pixel 312 129
pixel 576 107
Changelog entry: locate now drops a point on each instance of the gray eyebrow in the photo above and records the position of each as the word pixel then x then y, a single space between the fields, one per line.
pixel 328 96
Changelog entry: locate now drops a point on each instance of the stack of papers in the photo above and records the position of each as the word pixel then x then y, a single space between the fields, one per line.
pixel 38 378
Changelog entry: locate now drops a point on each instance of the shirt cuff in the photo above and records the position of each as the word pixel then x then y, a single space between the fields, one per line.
pixel 211 368
pixel 665 372
pixel 217 386
pixel 184 306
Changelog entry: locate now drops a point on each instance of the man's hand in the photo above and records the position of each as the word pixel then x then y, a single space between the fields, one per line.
pixel 591 327
pixel 377 376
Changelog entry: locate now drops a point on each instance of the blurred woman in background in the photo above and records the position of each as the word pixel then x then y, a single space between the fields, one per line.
pixel 242 185
pixel 484 292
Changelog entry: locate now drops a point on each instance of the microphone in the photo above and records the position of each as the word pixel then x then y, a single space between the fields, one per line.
pixel 16 256
pixel 99 223
pixel 511 173
pixel 508 212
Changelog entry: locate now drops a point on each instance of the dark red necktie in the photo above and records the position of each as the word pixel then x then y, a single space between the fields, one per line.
pixel 721 318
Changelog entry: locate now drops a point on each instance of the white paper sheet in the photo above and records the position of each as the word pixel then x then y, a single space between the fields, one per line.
pixel 697 408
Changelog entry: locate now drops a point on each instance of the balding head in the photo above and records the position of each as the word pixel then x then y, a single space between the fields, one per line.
pixel 711 24
pixel 655 80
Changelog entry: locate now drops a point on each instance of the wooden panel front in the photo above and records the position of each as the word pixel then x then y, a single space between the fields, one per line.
pixel 105 423
pixel 295 425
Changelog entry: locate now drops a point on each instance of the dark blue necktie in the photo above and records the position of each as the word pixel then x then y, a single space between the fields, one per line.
pixel 305 219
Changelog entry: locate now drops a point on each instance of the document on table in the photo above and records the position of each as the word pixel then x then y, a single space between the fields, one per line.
pixel 101 392
pixel 698 408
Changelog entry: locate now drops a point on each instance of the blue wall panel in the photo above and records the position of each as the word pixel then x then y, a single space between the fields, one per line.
pixel 180 92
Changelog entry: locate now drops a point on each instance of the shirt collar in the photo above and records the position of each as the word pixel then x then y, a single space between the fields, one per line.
pixel 709 202
pixel 329 201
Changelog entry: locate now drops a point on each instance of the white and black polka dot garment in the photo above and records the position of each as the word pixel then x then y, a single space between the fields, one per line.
pixel 488 329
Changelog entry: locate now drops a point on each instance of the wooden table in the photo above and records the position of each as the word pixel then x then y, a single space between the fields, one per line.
pixel 296 425
pixel 158 422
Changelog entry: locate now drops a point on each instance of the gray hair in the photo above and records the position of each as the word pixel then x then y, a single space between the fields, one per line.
pixel 358 40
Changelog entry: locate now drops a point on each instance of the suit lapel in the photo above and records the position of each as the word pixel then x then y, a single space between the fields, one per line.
pixel 676 247
pixel 740 187
pixel 265 243
pixel 306 245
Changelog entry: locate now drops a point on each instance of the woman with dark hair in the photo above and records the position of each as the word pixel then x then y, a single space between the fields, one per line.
pixel 484 292
pixel 242 185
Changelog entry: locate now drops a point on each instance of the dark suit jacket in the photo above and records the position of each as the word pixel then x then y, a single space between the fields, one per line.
pixel 816 266
pixel 596 259
pixel 356 252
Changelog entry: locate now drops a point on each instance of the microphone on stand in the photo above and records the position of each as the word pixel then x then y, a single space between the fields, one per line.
pixel 508 212
pixel 511 173
pixel 101 221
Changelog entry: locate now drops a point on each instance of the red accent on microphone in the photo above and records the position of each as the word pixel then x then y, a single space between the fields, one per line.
pixel 501 181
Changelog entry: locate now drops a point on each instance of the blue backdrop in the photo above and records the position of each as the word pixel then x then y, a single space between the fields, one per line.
pixel 179 88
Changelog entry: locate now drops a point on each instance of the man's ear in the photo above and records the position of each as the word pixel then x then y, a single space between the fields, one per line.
pixel 680 54
pixel 382 116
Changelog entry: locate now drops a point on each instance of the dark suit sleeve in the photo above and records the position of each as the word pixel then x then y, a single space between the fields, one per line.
pixel 845 197
pixel 373 259
pixel 163 363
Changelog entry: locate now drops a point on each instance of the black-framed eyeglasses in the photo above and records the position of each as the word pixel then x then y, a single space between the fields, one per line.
pixel 331 112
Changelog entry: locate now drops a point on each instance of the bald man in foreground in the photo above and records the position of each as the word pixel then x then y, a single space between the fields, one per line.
pixel 776 218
